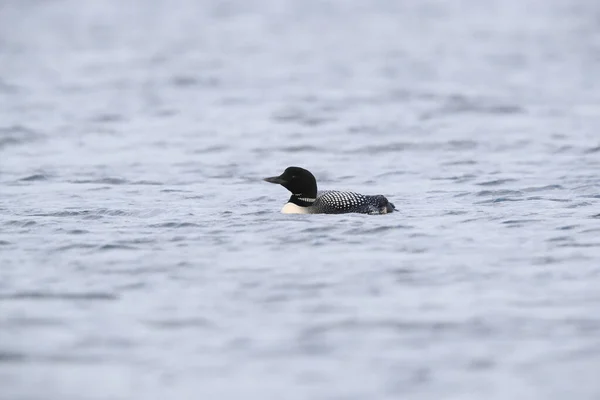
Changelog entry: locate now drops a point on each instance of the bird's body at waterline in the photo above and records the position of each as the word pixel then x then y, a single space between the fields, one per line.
pixel 306 199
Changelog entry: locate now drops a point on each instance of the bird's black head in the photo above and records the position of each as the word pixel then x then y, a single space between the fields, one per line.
pixel 298 181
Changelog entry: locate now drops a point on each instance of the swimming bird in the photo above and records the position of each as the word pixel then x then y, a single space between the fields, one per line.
pixel 306 199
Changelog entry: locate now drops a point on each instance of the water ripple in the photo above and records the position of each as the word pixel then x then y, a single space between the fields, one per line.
pixel 115 181
pixel 16 135
pixel 44 296
pixel 35 177
pixel 84 213
pixel 496 182
pixel 174 225
pixel 500 192
pixel 179 323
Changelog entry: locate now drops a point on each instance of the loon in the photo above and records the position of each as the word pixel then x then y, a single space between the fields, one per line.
pixel 306 199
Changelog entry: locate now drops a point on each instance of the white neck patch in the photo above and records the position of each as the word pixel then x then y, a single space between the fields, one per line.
pixel 306 199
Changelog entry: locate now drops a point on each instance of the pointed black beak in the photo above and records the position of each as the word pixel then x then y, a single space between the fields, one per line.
pixel 275 179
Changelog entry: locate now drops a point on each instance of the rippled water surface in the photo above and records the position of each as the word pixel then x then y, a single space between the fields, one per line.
pixel 142 257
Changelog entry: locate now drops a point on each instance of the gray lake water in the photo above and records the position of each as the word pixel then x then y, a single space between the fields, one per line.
pixel 142 257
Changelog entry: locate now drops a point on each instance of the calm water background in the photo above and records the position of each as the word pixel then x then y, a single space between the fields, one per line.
pixel 141 256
